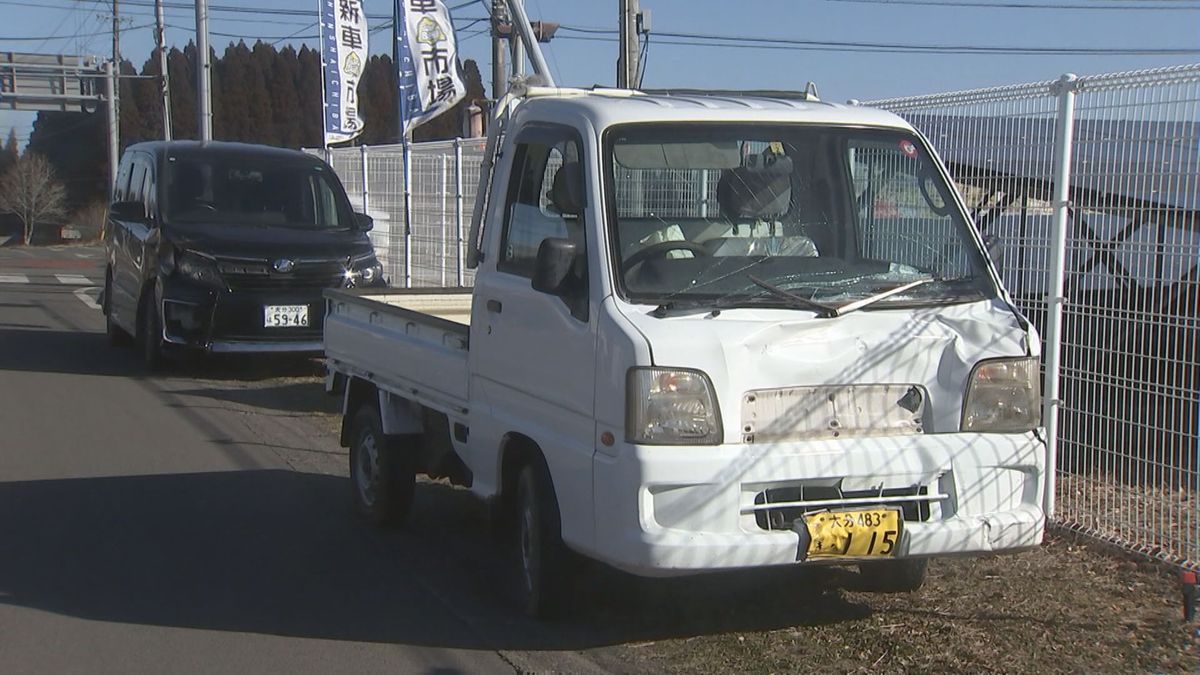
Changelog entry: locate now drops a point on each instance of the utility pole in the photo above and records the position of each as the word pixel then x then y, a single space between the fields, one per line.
pixel 113 139
pixel 627 59
pixel 203 74
pixel 499 76
pixel 160 35
pixel 116 60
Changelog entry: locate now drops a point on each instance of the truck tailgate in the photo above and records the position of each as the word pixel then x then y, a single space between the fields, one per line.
pixel 412 342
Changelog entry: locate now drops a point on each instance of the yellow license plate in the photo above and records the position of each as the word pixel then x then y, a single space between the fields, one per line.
pixel 867 533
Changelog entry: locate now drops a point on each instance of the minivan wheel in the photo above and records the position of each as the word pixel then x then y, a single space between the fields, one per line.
pixel 893 576
pixel 381 473
pixel 544 559
pixel 151 334
pixel 117 337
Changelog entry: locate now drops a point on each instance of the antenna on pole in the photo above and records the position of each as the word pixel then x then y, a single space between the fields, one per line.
pixel 160 36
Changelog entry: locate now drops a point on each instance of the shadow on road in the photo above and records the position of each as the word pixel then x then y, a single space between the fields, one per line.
pixel 279 552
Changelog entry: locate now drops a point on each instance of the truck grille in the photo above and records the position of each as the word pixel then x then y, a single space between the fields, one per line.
pixel 776 508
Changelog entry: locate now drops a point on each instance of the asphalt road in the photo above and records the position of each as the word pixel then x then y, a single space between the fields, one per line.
pixel 200 520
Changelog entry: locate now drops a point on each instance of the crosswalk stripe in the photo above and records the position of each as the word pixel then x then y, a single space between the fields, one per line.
pixel 73 280
pixel 13 279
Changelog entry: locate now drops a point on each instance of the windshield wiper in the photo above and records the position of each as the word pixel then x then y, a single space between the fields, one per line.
pixel 823 311
pixel 829 311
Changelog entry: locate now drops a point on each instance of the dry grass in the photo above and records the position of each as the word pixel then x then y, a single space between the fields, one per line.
pixel 1064 607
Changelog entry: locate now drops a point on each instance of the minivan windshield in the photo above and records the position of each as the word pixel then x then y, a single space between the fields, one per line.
pixel 243 190
pixel 746 215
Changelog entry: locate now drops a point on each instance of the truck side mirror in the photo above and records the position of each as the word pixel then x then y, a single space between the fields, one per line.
pixel 552 268
pixel 363 222
pixel 992 244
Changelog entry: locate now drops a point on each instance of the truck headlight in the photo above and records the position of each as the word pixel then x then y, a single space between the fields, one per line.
pixel 667 406
pixel 1003 395
pixel 199 268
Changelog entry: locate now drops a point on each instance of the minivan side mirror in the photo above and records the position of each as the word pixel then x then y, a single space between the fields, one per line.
pixel 363 222
pixel 132 211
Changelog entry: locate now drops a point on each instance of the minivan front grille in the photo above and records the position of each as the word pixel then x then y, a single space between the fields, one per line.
pixel 253 275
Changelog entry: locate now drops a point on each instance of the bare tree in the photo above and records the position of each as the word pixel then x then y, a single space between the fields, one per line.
pixel 30 191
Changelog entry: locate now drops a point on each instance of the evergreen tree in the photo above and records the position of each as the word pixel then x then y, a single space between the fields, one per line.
pixel 286 110
pixel 308 88
pixel 181 65
pixel 10 154
pixel 260 110
pixel 132 126
pixel 76 145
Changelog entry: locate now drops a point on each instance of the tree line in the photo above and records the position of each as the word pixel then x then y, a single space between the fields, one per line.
pixel 260 94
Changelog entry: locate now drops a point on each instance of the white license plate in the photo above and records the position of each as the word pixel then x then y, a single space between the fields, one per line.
pixel 285 316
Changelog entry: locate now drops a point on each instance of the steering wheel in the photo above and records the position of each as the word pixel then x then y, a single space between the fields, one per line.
pixel 661 249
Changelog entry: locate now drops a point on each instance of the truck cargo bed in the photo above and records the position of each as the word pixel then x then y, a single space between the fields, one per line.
pixel 412 342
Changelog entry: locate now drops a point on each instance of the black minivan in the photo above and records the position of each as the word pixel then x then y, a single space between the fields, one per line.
pixel 226 247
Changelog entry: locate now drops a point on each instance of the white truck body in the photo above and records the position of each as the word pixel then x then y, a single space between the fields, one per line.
pixel 833 413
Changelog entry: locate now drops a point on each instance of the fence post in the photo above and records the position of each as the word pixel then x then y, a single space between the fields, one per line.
pixel 407 215
pixel 442 224
pixel 362 150
pixel 1051 405
pixel 458 210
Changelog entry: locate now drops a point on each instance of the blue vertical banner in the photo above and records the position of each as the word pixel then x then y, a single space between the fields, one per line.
pixel 343 59
pixel 427 66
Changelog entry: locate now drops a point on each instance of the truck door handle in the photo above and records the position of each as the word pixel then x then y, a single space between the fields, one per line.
pixel 494 306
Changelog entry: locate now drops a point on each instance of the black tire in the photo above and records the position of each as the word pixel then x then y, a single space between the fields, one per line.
pixel 544 561
pixel 382 478
pixel 893 576
pixel 150 335
pixel 117 337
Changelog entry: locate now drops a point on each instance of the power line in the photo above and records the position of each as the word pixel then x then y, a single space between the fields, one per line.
pixel 815 45
pixel 70 37
pixel 1030 5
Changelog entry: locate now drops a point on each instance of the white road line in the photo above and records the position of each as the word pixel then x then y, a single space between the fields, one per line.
pixel 13 279
pixel 73 280
pixel 84 295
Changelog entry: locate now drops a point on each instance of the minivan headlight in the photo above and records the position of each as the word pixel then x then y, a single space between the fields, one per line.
pixel 668 406
pixel 199 268
pixel 1003 395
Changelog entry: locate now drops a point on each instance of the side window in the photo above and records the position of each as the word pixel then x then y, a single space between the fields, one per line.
pixel 121 188
pixel 150 190
pixel 537 206
pixel 137 179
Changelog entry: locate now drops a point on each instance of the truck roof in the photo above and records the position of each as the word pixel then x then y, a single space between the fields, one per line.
pixel 604 108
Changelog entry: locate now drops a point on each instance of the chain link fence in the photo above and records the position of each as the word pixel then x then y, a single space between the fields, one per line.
pixel 1123 331
pixel 1127 445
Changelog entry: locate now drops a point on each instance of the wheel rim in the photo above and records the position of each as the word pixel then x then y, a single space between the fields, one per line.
pixel 528 543
pixel 366 465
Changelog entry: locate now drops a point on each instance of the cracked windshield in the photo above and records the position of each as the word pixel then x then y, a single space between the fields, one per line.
pixel 736 215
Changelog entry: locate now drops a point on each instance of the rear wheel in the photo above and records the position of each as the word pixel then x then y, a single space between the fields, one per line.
pixel 381 473
pixel 544 559
pixel 117 337
pixel 894 576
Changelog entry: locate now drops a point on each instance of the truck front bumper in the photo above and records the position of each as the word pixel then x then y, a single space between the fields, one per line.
pixel 664 511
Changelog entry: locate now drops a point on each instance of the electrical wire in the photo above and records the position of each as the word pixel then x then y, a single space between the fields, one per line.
pixel 70 37
pixel 1030 5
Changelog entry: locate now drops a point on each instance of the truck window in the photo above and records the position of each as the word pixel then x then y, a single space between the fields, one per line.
pixel 831 213
pixel 532 213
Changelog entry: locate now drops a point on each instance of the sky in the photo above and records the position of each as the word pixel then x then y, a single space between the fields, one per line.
pixel 580 56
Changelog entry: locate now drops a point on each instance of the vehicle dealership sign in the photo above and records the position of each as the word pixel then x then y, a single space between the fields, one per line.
pixel 343 58
pixel 427 61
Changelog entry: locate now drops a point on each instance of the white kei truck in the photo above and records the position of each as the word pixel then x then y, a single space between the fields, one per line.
pixel 706 333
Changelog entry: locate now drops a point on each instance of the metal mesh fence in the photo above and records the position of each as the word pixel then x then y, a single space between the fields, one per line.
pixel 1128 470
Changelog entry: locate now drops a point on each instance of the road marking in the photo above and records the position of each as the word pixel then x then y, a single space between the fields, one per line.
pixel 13 279
pixel 73 280
pixel 84 295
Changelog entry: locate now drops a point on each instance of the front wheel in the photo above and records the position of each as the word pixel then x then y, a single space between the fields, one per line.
pixel 117 337
pixel 381 473
pixel 894 576
pixel 151 334
pixel 543 556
